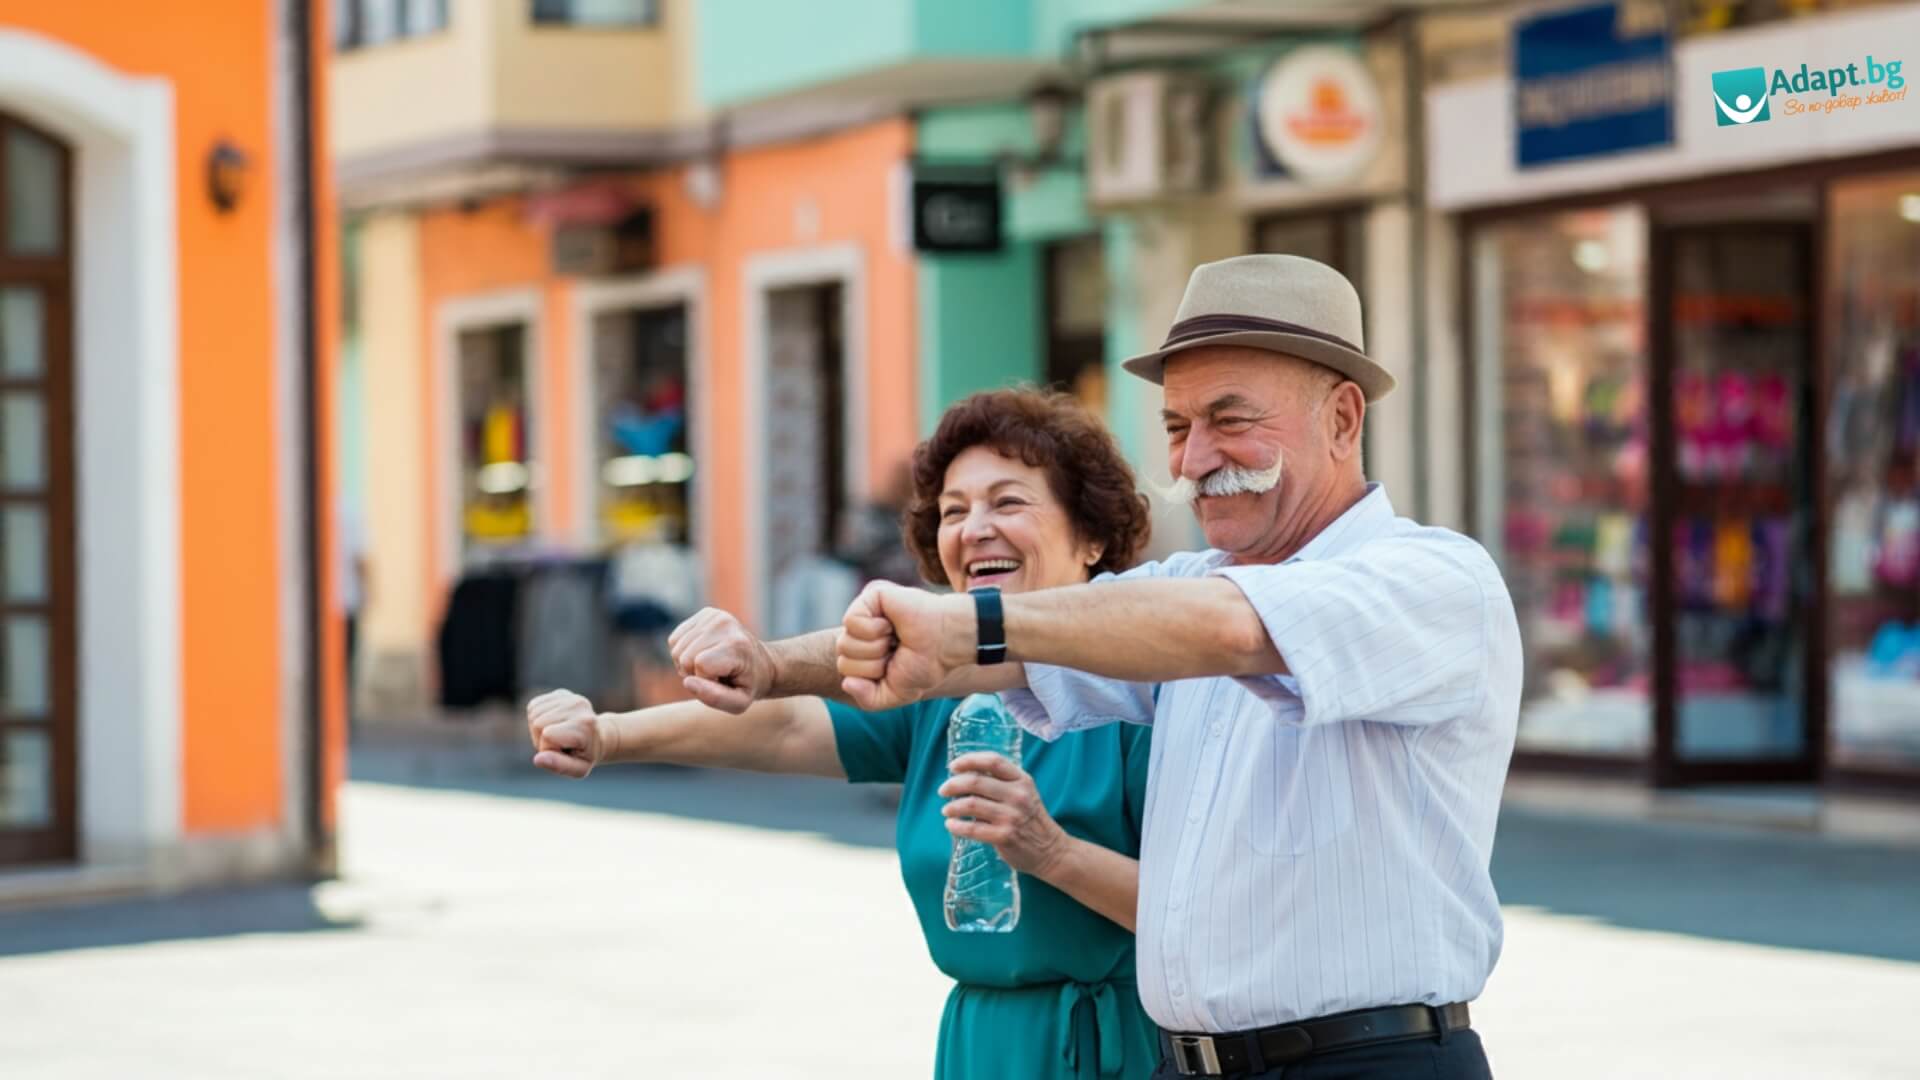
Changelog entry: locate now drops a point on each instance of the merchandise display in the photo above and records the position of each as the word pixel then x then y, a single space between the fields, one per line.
pixel 495 449
pixel 1571 355
pixel 642 432
pixel 1873 477
pixel 1738 556
pixel 1742 356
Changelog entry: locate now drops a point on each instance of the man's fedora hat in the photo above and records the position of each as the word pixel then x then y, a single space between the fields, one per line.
pixel 1282 303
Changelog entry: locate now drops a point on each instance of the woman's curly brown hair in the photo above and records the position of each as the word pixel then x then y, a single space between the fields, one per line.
pixel 1048 430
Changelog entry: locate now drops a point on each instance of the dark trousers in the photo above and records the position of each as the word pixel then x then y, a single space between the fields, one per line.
pixel 353 655
pixel 1454 1056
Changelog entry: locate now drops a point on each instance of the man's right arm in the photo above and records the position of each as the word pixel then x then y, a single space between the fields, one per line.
pixel 1053 701
pixel 807 666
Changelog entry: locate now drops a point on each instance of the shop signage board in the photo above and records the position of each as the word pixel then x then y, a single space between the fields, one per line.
pixel 956 210
pixel 1591 81
pixel 1317 116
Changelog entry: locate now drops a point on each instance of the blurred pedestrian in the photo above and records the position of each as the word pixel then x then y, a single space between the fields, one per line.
pixel 351 581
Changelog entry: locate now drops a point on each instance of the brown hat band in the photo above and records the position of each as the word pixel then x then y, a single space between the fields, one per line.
pixel 1208 325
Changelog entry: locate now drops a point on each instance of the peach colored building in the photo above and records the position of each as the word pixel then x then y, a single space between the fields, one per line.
pixel 581 318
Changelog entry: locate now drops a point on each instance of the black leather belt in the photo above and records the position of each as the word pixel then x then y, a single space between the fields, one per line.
pixel 1216 1055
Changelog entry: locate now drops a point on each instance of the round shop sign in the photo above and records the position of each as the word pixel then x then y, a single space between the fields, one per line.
pixel 1318 113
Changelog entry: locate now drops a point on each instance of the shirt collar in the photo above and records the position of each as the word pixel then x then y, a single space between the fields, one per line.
pixel 1363 521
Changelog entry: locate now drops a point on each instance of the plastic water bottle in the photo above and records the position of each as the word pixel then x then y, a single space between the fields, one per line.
pixel 983 892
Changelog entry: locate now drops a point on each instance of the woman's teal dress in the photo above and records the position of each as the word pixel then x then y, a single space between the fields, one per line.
pixel 1055 998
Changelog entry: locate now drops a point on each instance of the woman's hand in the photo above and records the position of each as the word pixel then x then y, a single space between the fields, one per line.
pixel 1007 812
pixel 567 735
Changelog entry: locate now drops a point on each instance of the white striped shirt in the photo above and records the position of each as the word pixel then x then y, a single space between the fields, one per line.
pixel 1319 841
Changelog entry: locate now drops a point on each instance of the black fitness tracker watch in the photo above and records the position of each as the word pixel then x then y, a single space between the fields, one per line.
pixel 991 639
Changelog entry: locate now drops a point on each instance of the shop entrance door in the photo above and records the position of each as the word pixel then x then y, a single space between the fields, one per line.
pixel 806 448
pixel 1735 524
pixel 39 707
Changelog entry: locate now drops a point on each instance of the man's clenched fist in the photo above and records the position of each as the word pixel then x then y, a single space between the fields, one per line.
pixel 720 661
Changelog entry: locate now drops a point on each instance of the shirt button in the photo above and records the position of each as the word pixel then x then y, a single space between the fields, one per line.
pixel 1219 729
pixel 1193 819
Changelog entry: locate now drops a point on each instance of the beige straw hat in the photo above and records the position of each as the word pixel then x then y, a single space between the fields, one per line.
pixel 1283 303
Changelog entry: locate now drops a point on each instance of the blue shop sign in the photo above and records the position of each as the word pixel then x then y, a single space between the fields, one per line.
pixel 1591 81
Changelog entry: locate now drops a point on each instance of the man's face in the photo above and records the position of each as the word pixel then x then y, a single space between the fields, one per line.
pixel 1230 407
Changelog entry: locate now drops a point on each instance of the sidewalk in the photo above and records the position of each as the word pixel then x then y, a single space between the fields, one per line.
pixel 1847 817
pixel 493 923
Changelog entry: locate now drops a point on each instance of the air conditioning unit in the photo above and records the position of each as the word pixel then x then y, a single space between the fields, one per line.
pixel 1149 136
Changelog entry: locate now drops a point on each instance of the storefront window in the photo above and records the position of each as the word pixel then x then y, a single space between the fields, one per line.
pixel 495 448
pixel 1563 456
pixel 646 469
pixel 1873 472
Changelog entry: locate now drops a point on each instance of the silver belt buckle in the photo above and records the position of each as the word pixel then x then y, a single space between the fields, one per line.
pixel 1195 1055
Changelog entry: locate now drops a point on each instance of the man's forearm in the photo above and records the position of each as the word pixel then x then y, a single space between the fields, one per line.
pixel 1155 630
pixel 806 666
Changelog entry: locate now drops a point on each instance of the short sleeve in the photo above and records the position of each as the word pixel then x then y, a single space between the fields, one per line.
pixel 875 747
pixel 1395 633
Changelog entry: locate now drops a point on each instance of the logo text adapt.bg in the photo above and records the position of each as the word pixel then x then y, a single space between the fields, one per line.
pixel 1743 96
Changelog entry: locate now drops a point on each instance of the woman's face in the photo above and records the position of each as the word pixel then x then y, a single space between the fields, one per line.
pixel 1000 525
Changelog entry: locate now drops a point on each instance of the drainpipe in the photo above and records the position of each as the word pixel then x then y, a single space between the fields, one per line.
pixel 1416 165
pixel 319 840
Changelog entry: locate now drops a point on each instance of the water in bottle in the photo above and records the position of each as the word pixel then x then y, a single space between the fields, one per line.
pixel 983 892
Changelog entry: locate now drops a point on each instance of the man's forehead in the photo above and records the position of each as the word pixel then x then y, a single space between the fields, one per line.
pixel 1195 380
pixel 1203 383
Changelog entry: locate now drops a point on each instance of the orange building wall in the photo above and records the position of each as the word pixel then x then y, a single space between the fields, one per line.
pixel 467 252
pixel 215 53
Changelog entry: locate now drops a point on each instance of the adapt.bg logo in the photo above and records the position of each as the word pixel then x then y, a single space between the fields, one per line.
pixel 1741 96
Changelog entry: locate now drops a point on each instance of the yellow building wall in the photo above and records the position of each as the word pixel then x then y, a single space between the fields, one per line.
pixel 417 90
pixel 393 346
pixel 588 78
pixel 492 70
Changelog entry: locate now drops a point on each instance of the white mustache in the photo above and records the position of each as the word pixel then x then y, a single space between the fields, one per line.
pixel 1225 480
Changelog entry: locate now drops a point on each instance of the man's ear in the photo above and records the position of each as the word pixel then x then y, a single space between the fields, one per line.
pixel 1344 414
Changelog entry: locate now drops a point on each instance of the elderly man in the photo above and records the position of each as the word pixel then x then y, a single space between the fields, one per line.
pixel 1334 690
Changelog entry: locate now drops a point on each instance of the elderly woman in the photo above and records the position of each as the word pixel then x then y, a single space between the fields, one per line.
pixel 1017 489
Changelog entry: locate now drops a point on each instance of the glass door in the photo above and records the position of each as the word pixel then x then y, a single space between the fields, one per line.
pixel 1735 324
pixel 38 718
